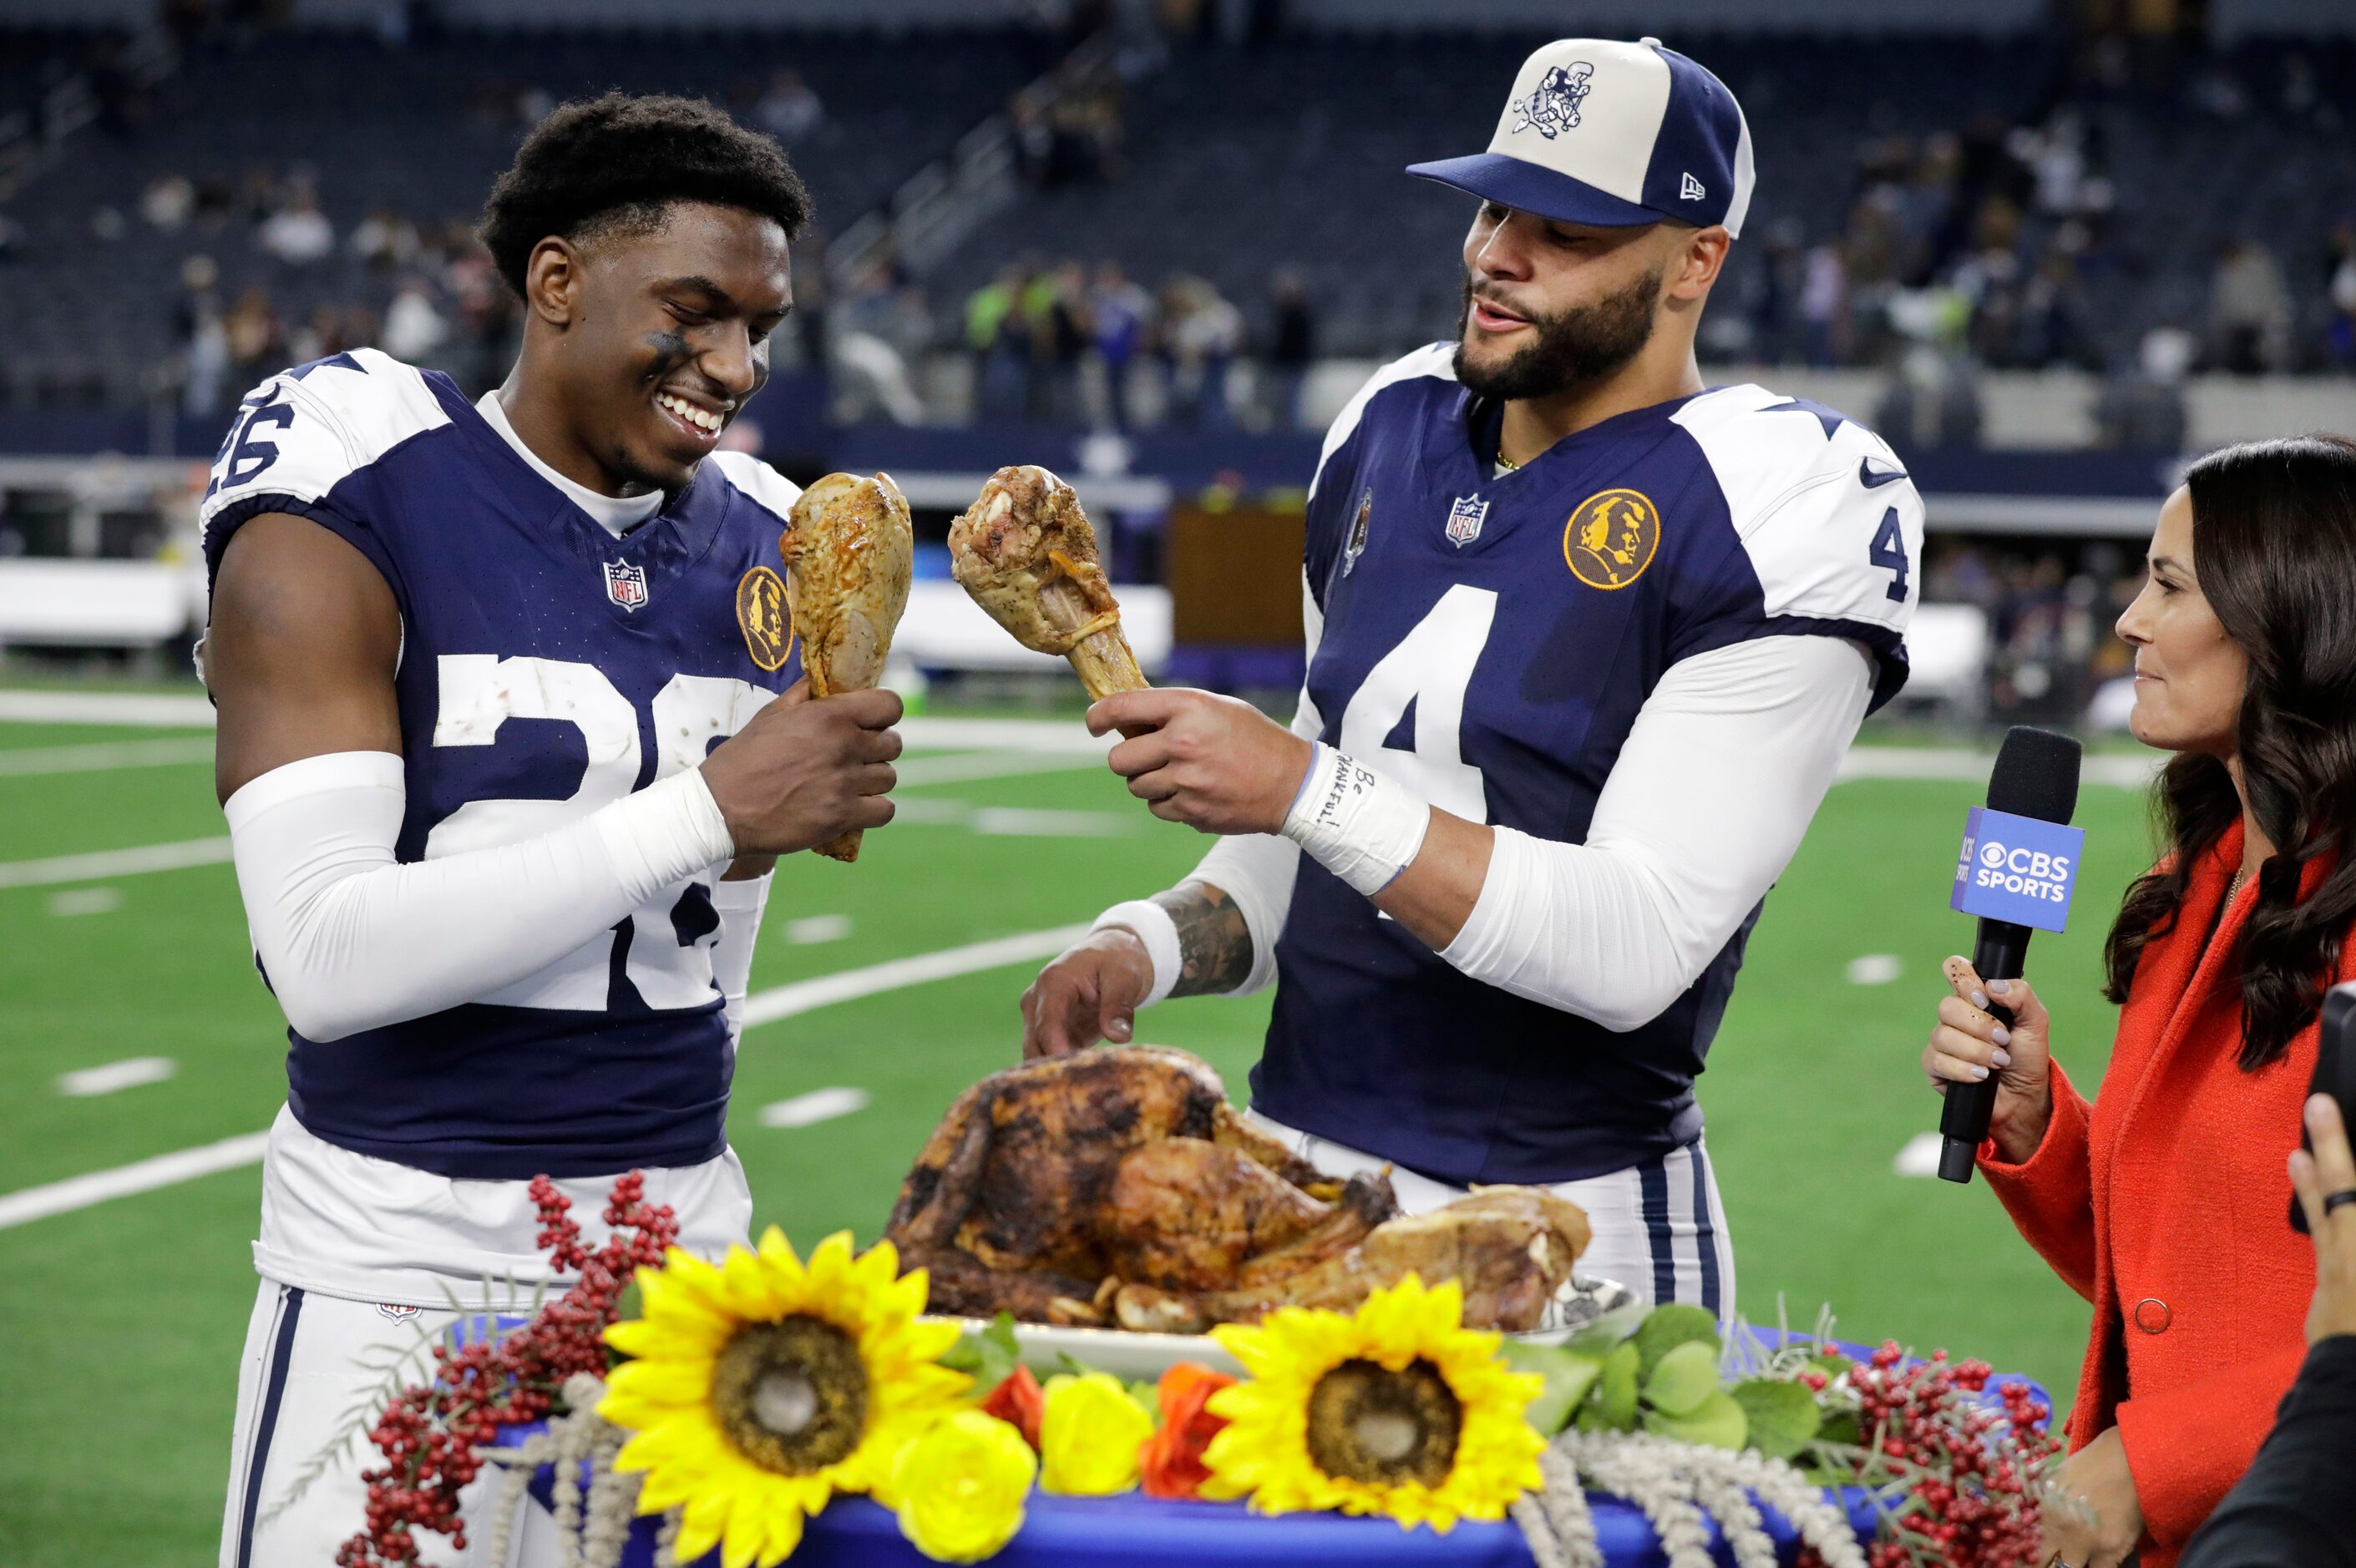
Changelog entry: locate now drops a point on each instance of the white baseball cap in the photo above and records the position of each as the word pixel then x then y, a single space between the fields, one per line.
pixel 1614 135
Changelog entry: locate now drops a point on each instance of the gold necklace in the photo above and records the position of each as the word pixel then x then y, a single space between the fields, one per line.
pixel 1506 463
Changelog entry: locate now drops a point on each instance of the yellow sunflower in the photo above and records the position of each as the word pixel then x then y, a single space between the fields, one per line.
pixel 1397 1409
pixel 764 1386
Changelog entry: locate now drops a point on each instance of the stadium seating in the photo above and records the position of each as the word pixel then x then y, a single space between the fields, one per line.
pixel 1235 163
pixel 421 129
pixel 1289 154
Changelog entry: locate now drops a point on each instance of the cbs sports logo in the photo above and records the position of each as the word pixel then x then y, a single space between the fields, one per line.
pixel 2026 873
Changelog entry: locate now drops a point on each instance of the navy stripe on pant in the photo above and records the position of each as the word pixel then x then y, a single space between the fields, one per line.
pixel 1653 1175
pixel 281 1353
pixel 1705 1233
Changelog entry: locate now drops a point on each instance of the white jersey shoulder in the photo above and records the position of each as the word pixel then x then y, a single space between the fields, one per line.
pixel 307 429
pixel 1831 522
pixel 767 488
pixel 1434 362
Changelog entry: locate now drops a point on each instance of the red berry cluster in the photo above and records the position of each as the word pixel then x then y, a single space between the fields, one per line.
pixel 1970 1470
pixel 432 1435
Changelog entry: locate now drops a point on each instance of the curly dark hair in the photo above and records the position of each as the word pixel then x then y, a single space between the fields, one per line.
pixel 2273 545
pixel 598 166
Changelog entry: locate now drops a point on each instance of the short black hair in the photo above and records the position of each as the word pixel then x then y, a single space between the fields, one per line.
pixel 618 162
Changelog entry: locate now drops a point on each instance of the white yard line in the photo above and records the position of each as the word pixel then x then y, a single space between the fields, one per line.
pixel 2126 771
pixel 961 767
pixel 964 767
pixel 818 1105
pixel 765 1007
pixel 1919 1156
pixel 134 710
pixel 116 1076
pixel 1036 736
pixel 106 756
pixel 107 708
pixel 105 863
pixel 815 928
pixel 802 996
pixel 141 1176
pixel 1042 737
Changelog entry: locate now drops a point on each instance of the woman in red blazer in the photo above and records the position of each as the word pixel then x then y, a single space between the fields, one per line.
pixel 2165 1202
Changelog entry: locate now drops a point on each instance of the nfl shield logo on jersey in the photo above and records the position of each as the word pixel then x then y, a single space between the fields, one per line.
pixel 1464 519
pixel 625 585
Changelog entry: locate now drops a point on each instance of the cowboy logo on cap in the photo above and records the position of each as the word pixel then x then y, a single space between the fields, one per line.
pixel 1659 137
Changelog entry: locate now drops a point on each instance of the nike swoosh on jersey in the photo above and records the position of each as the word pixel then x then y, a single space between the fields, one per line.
pixel 1872 481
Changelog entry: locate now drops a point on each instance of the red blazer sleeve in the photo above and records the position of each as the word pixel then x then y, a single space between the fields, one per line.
pixel 2050 1195
pixel 2187 1444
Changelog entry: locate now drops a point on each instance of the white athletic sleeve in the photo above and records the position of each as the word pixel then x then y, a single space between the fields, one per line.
pixel 740 904
pixel 349 939
pixel 1728 761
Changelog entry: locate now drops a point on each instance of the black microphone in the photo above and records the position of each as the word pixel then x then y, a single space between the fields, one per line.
pixel 2036 774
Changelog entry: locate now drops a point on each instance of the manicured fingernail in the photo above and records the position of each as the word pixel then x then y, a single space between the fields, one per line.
pixel 2003 1035
pixel 1978 1073
pixel 2000 987
pixel 1979 1000
pixel 2002 1059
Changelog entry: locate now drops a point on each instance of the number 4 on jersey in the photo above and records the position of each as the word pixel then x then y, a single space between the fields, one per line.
pixel 1888 548
pixel 1430 668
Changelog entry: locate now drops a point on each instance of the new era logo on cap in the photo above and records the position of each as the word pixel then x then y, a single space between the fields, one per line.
pixel 1614 134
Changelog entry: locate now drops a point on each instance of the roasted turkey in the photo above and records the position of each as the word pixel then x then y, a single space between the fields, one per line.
pixel 1027 554
pixel 1117 1187
pixel 849 559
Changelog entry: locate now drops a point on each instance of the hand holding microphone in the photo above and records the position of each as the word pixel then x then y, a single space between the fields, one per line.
pixel 2018 867
pixel 1973 1044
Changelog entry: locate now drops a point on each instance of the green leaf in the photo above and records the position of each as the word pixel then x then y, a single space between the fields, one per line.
pixel 1717 1423
pixel 1148 1395
pixel 1832 1363
pixel 1611 1407
pixel 1568 1374
pixel 1840 1426
pixel 988 1355
pixel 1781 1416
pixel 1683 1378
pixel 1665 1327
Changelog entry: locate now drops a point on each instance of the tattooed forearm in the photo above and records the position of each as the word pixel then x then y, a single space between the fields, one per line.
pixel 1214 945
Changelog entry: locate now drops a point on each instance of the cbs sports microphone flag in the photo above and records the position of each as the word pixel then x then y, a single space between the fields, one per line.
pixel 2016 868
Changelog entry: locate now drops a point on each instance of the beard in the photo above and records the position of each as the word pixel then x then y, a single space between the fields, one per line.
pixel 1576 348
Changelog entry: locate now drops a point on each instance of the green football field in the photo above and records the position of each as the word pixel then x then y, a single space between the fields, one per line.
pixel 121 1320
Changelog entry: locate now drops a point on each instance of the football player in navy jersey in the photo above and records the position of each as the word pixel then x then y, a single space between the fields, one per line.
pixel 511 731
pixel 1587 641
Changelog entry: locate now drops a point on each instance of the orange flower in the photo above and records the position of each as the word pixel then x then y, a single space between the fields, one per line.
pixel 1172 1459
pixel 1019 1402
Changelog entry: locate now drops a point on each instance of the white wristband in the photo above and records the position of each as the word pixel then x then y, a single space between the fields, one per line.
pixel 1363 828
pixel 1152 925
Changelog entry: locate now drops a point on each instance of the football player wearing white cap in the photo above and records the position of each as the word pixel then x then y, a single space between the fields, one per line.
pixel 1587 640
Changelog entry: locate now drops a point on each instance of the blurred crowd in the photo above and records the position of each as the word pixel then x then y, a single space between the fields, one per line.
pixel 2011 247
pixel 2052 651
pixel 426 292
pixel 1069 344
pixel 1062 342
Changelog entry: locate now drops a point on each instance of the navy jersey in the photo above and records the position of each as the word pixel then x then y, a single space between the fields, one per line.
pixel 546 670
pixel 1489 639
